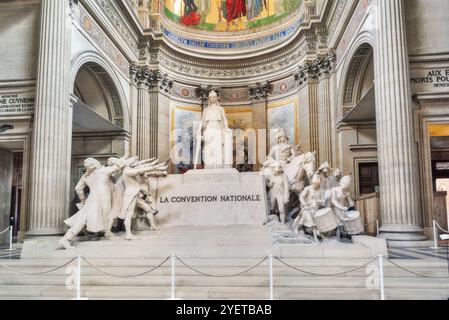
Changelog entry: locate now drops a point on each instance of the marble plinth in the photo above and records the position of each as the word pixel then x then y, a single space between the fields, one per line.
pixel 211 197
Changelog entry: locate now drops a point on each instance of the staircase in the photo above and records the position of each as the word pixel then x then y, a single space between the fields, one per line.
pixel 217 251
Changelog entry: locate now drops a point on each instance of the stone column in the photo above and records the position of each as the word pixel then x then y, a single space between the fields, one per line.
pixel 313 118
pixel 324 119
pixel 259 100
pixel 50 168
pixel 261 130
pixel 398 170
pixel 324 109
pixel 147 111
pixel 143 122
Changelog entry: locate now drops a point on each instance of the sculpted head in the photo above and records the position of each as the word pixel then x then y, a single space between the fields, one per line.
pixel 281 136
pixel 213 97
pixel 345 182
pixel 112 161
pixel 316 181
pixel 91 164
pixel 337 174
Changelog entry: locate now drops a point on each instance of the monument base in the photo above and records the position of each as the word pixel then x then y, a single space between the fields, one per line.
pixel 249 242
pixel 211 197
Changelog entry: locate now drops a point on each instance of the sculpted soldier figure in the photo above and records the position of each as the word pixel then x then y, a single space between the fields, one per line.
pixel 133 176
pixel 312 200
pixel 279 191
pixel 95 209
pixel 283 152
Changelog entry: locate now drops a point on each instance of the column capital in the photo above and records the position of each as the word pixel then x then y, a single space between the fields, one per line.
pixel 260 91
pixel 313 70
pixel 153 79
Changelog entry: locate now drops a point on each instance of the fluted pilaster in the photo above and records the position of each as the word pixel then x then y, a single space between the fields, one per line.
pixel 143 122
pixel 50 169
pixel 400 199
pixel 324 119
pixel 260 127
pixel 313 118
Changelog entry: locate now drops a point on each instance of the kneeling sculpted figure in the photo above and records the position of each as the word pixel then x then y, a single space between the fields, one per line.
pixel 341 200
pixel 312 199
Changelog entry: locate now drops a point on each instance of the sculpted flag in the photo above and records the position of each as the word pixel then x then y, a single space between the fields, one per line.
pixel 235 9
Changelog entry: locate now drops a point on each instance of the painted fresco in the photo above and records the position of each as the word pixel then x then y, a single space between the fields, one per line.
pixel 284 115
pixel 240 120
pixel 229 15
pixel 184 122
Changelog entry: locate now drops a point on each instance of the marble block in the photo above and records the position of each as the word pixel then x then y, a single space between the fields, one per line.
pixel 211 197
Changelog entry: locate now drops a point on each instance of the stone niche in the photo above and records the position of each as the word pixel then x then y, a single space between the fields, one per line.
pixel 211 197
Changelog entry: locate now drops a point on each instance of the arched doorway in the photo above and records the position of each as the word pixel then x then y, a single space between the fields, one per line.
pixel 98 121
pixel 357 128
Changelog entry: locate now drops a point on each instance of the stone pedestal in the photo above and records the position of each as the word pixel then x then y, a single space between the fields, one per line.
pixel 52 134
pixel 211 197
pixel 399 183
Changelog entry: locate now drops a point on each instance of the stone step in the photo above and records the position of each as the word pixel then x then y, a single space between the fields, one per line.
pixel 246 281
pixel 220 293
pixel 262 270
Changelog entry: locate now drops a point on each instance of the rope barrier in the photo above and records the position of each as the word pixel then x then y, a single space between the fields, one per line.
pixel 324 274
pixel 126 276
pixel 439 227
pixel 6 230
pixel 413 272
pixel 222 276
pixel 36 273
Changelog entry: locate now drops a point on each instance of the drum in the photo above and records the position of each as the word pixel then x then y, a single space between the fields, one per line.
pixel 326 220
pixel 353 223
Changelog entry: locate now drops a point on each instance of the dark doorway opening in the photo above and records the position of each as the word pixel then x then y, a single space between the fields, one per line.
pixel 368 178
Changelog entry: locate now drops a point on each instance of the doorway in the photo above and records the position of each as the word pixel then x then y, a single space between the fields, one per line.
pixel 368 178
pixel 11 186
pixel 439 144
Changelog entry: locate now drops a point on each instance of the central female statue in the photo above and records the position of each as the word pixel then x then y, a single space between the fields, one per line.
pixel 212 130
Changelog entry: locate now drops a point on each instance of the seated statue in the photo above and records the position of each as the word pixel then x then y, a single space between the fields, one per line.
pixel 341 200
pixel 312 200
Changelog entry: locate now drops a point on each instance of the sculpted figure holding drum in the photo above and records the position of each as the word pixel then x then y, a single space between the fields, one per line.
pixel 342 203
pixel 312 200
pixel 341 200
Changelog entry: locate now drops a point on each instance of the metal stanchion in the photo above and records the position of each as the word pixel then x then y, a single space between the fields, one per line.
pixel 377 228
pixel 381 277
pixel 78 278
pixel 173 277
pixel 11 232
pixel 435 235
pixel 270 263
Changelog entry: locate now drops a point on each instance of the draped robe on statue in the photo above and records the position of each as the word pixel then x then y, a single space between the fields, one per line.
pixel 235 9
